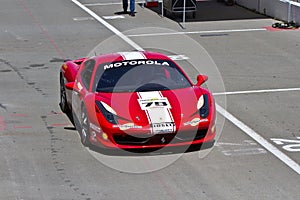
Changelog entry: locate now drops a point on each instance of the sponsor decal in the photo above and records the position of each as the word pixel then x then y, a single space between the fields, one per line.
pixel 157 109
pixel 65 67
pixel 159 128
pixel 161 125
pixel 195 122
pixel 135 62
pixel 162 131
pixel 154 103
pixel 95 127
pixel 126 126
pixel 79 86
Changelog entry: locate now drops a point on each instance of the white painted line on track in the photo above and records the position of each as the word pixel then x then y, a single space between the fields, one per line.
pixel 114 17
pixel 82 18
pixel 108 4
pixel 272 149
pixel 288 144
pixel 197 32
pixel 107 25
pixel 247 147
pixel 258 91
pixel 102 4
pixel 243 152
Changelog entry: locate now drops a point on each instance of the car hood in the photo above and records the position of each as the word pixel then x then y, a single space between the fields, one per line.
pixel 142 108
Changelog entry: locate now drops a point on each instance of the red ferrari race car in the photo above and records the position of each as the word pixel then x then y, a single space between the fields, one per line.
pixel 136 100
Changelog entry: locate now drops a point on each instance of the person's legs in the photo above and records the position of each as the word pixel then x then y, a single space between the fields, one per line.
pixel 132 7
pixel 125 5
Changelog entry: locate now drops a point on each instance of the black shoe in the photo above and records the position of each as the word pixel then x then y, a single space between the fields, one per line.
pixel 132 14
pixel 125 12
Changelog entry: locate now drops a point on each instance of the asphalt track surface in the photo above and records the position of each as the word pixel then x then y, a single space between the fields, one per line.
pixel 256 157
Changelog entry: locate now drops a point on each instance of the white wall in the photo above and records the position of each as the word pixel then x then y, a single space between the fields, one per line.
pixel 273 8
pixel 295 16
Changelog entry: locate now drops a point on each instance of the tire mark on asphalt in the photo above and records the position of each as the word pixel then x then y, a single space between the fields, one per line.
pixel 22 77
pixel 56 147
pixel 3 107
pixel 53 60
pixel 37 65
pixel 5 70
pixel 13 68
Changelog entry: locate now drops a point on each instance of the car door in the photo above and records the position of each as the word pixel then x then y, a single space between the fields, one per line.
pixel 82 85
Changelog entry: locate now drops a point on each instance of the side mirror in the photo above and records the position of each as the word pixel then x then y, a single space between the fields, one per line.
pixel 201 79
pixel 70 85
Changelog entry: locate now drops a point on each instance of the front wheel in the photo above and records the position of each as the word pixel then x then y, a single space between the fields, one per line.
pixel 63 96
pixel 85 131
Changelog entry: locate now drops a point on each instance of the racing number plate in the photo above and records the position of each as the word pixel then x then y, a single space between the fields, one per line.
pixel 162 128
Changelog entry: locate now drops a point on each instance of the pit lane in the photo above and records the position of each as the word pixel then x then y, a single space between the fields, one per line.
pixel 42 153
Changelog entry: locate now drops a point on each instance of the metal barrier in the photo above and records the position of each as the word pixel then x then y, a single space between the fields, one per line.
pixel 183 8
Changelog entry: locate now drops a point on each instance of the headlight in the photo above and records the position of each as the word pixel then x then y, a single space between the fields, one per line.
pixel 109 113
pixel 203 106
pixel 200 102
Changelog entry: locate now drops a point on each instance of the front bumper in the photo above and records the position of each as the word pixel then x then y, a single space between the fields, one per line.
pixel 129 140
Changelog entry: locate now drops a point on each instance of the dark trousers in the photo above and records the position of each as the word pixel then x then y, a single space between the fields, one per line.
pixel 125 5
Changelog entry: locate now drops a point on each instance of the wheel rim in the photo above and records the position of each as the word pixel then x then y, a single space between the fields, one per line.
pixel 84 127
pixel 62 95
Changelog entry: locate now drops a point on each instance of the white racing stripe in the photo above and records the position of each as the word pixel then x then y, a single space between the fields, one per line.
pixel 178 57
pixel 157 109
pixel 132 55
pixel 272 149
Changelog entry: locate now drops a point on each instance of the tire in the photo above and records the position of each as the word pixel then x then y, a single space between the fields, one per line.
pixel 84 128
pixel 165 12
pixel 63 96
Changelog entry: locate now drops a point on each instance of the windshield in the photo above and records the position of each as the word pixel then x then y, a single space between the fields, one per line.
pixel 138 76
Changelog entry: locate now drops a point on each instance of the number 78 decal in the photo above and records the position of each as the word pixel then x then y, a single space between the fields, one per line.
pixel 154 103
pixel 288 145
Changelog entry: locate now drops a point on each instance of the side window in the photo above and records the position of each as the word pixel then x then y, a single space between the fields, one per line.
pixel 87 72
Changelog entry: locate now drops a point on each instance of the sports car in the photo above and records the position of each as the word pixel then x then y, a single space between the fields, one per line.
pixel 136 100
